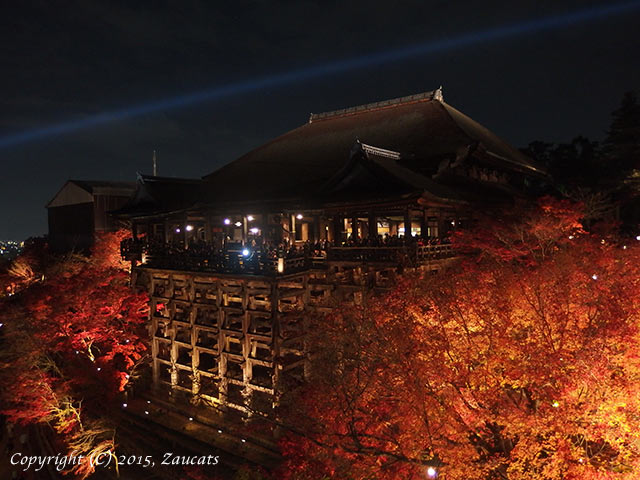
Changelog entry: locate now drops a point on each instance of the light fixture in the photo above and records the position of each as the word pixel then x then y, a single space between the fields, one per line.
pixel 432 472
pixel 227 221
pixel 188 228
pixel 255 231
pixel 191 419
pixel 124 405
pixel 555 404
pixel 246 252
pixel 299 216
pixel 594 276
pixel 280 265
pixel 238 224
pixel 638 237
pixel 177 230
pixel 250 218
pixel 146 412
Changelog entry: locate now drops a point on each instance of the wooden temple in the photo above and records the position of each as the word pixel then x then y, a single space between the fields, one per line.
pixel 237 262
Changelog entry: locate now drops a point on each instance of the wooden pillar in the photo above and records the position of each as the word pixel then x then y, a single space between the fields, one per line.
pixel 316 228
pixel 338 225
pixel 184 232
pixel 407 223
pixel 373 225
pixel 292 228
pixel 245 229
pixel 207 229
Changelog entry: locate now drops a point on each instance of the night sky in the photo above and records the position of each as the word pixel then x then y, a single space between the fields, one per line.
pixel 68 61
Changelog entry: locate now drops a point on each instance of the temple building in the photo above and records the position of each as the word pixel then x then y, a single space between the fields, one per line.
pixel 81 208
pixel 237 262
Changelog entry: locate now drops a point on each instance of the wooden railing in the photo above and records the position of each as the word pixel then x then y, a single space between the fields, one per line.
pixel 207 259
pixel 400 255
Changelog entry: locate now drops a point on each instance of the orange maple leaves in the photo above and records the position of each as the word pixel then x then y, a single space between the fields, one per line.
pixel 520 363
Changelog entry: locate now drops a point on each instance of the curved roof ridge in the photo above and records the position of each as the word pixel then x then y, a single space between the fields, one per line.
pixel 368 107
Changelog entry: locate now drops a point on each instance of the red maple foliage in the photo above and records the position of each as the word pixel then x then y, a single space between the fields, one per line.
pixel 71 341
pixel 521 362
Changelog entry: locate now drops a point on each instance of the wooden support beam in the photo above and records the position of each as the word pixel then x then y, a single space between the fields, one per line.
pixel 373 225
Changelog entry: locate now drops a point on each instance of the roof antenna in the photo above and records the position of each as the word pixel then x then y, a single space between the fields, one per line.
pixel 155 164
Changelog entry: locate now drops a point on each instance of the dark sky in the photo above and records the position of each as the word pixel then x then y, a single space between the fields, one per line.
pixel 69 60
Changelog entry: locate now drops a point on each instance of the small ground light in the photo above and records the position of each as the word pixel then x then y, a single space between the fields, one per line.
pixel 191 419
pixel 146 412
pixel 219 431
pixel 570 237
pixel 124 405
pixel 244 441
pixel 638 237
pixel 177 230
pixel 148 401
pixel 594 276
pixel 432 472
pixel 1 325
pixel 555 404
pixel 98 369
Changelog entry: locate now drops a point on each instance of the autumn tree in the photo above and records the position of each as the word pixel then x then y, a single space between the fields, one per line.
pixel 72 337
pixel 521 362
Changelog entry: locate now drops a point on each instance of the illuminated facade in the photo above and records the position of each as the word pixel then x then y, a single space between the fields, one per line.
pixel 237 262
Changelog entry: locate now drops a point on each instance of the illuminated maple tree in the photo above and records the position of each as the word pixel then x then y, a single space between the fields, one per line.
pixel 521 362
pixel 70 343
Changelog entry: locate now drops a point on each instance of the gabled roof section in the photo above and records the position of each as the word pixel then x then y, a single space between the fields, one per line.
pixel 74 192
pixel 156 195
pixel 378 173
pixel 297 164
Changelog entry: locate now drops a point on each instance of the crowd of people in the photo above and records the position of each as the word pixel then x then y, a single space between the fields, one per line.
pixel 257 254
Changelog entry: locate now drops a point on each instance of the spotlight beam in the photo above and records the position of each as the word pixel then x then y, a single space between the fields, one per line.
pixel 341 66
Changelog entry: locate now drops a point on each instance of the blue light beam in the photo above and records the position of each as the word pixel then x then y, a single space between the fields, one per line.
pixel 340 66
